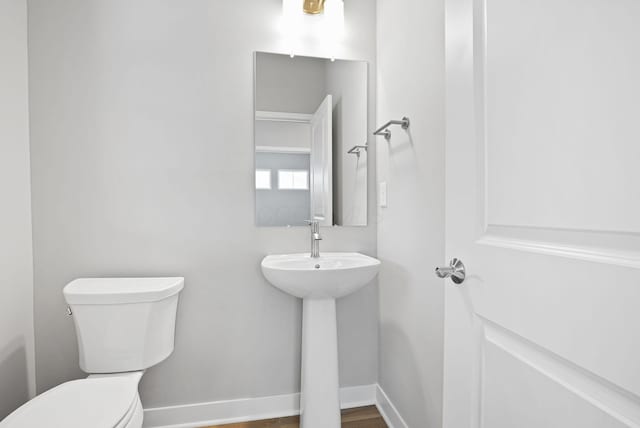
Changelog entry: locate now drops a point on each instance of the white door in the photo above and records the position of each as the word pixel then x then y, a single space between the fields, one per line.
pixel 543 208
pixel 321 159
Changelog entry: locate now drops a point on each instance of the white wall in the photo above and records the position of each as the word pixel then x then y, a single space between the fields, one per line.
pixel 411 230
pixel 142 156
pixel 17 381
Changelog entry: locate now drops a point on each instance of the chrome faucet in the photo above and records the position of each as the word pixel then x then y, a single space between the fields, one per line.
pixel 315 238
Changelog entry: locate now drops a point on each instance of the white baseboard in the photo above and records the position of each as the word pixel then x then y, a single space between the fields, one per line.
pixel 388 411
pixel 249 409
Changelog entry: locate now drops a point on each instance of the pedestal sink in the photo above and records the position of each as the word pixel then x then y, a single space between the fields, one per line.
pixel 319 282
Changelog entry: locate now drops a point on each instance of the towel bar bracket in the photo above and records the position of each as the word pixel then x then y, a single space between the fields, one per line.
pixel 356 150
pixel 386 133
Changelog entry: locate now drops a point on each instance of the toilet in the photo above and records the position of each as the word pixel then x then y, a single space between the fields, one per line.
pixel 123 326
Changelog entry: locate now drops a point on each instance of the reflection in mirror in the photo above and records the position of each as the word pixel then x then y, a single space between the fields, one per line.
pixel 310 141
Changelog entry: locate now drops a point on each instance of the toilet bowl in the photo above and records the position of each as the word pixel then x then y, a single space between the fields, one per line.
pixel 123 326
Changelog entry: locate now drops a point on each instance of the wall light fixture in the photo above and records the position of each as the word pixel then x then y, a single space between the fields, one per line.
pixel 313 7
pixel 318 23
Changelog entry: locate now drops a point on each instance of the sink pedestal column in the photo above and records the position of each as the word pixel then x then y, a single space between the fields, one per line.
pixel 320 394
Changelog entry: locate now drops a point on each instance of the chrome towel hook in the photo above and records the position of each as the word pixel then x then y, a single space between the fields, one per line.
pixel 404 123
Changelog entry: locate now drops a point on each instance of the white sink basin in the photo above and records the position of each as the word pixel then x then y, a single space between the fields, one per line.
pixel 319 282
pixel 330 276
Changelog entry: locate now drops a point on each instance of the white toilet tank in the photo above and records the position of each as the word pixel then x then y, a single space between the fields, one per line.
pixel 123 324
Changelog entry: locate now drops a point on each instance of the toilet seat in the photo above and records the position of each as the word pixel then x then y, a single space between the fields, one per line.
pixel 110 401
pixel 133 418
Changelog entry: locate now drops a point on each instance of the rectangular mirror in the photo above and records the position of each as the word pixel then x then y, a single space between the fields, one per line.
pixel 310 141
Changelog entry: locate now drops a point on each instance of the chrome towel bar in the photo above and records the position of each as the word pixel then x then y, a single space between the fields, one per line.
pixel 404 123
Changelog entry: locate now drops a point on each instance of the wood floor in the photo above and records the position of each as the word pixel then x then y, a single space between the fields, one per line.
pixel 361 417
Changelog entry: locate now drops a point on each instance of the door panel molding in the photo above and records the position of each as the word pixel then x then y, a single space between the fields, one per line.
pixel 608 115
pixel 620 404
pixel 604 244
pixel 616 249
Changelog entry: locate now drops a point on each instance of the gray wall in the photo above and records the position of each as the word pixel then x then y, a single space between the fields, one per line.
pixel 282 134
pixel 344 81
pixel 142 156
pixel 17 381
pixel 275 207
pixel 290 85
pixel 411 229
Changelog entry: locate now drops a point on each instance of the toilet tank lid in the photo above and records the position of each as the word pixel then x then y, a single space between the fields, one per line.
pixel 105 291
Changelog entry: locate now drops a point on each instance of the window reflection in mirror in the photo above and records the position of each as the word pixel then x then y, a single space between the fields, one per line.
pixel 309 113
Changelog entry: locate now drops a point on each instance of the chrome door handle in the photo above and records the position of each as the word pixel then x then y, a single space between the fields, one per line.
pixel 455 271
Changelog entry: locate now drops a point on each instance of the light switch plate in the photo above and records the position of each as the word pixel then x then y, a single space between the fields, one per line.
pixel 382 194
